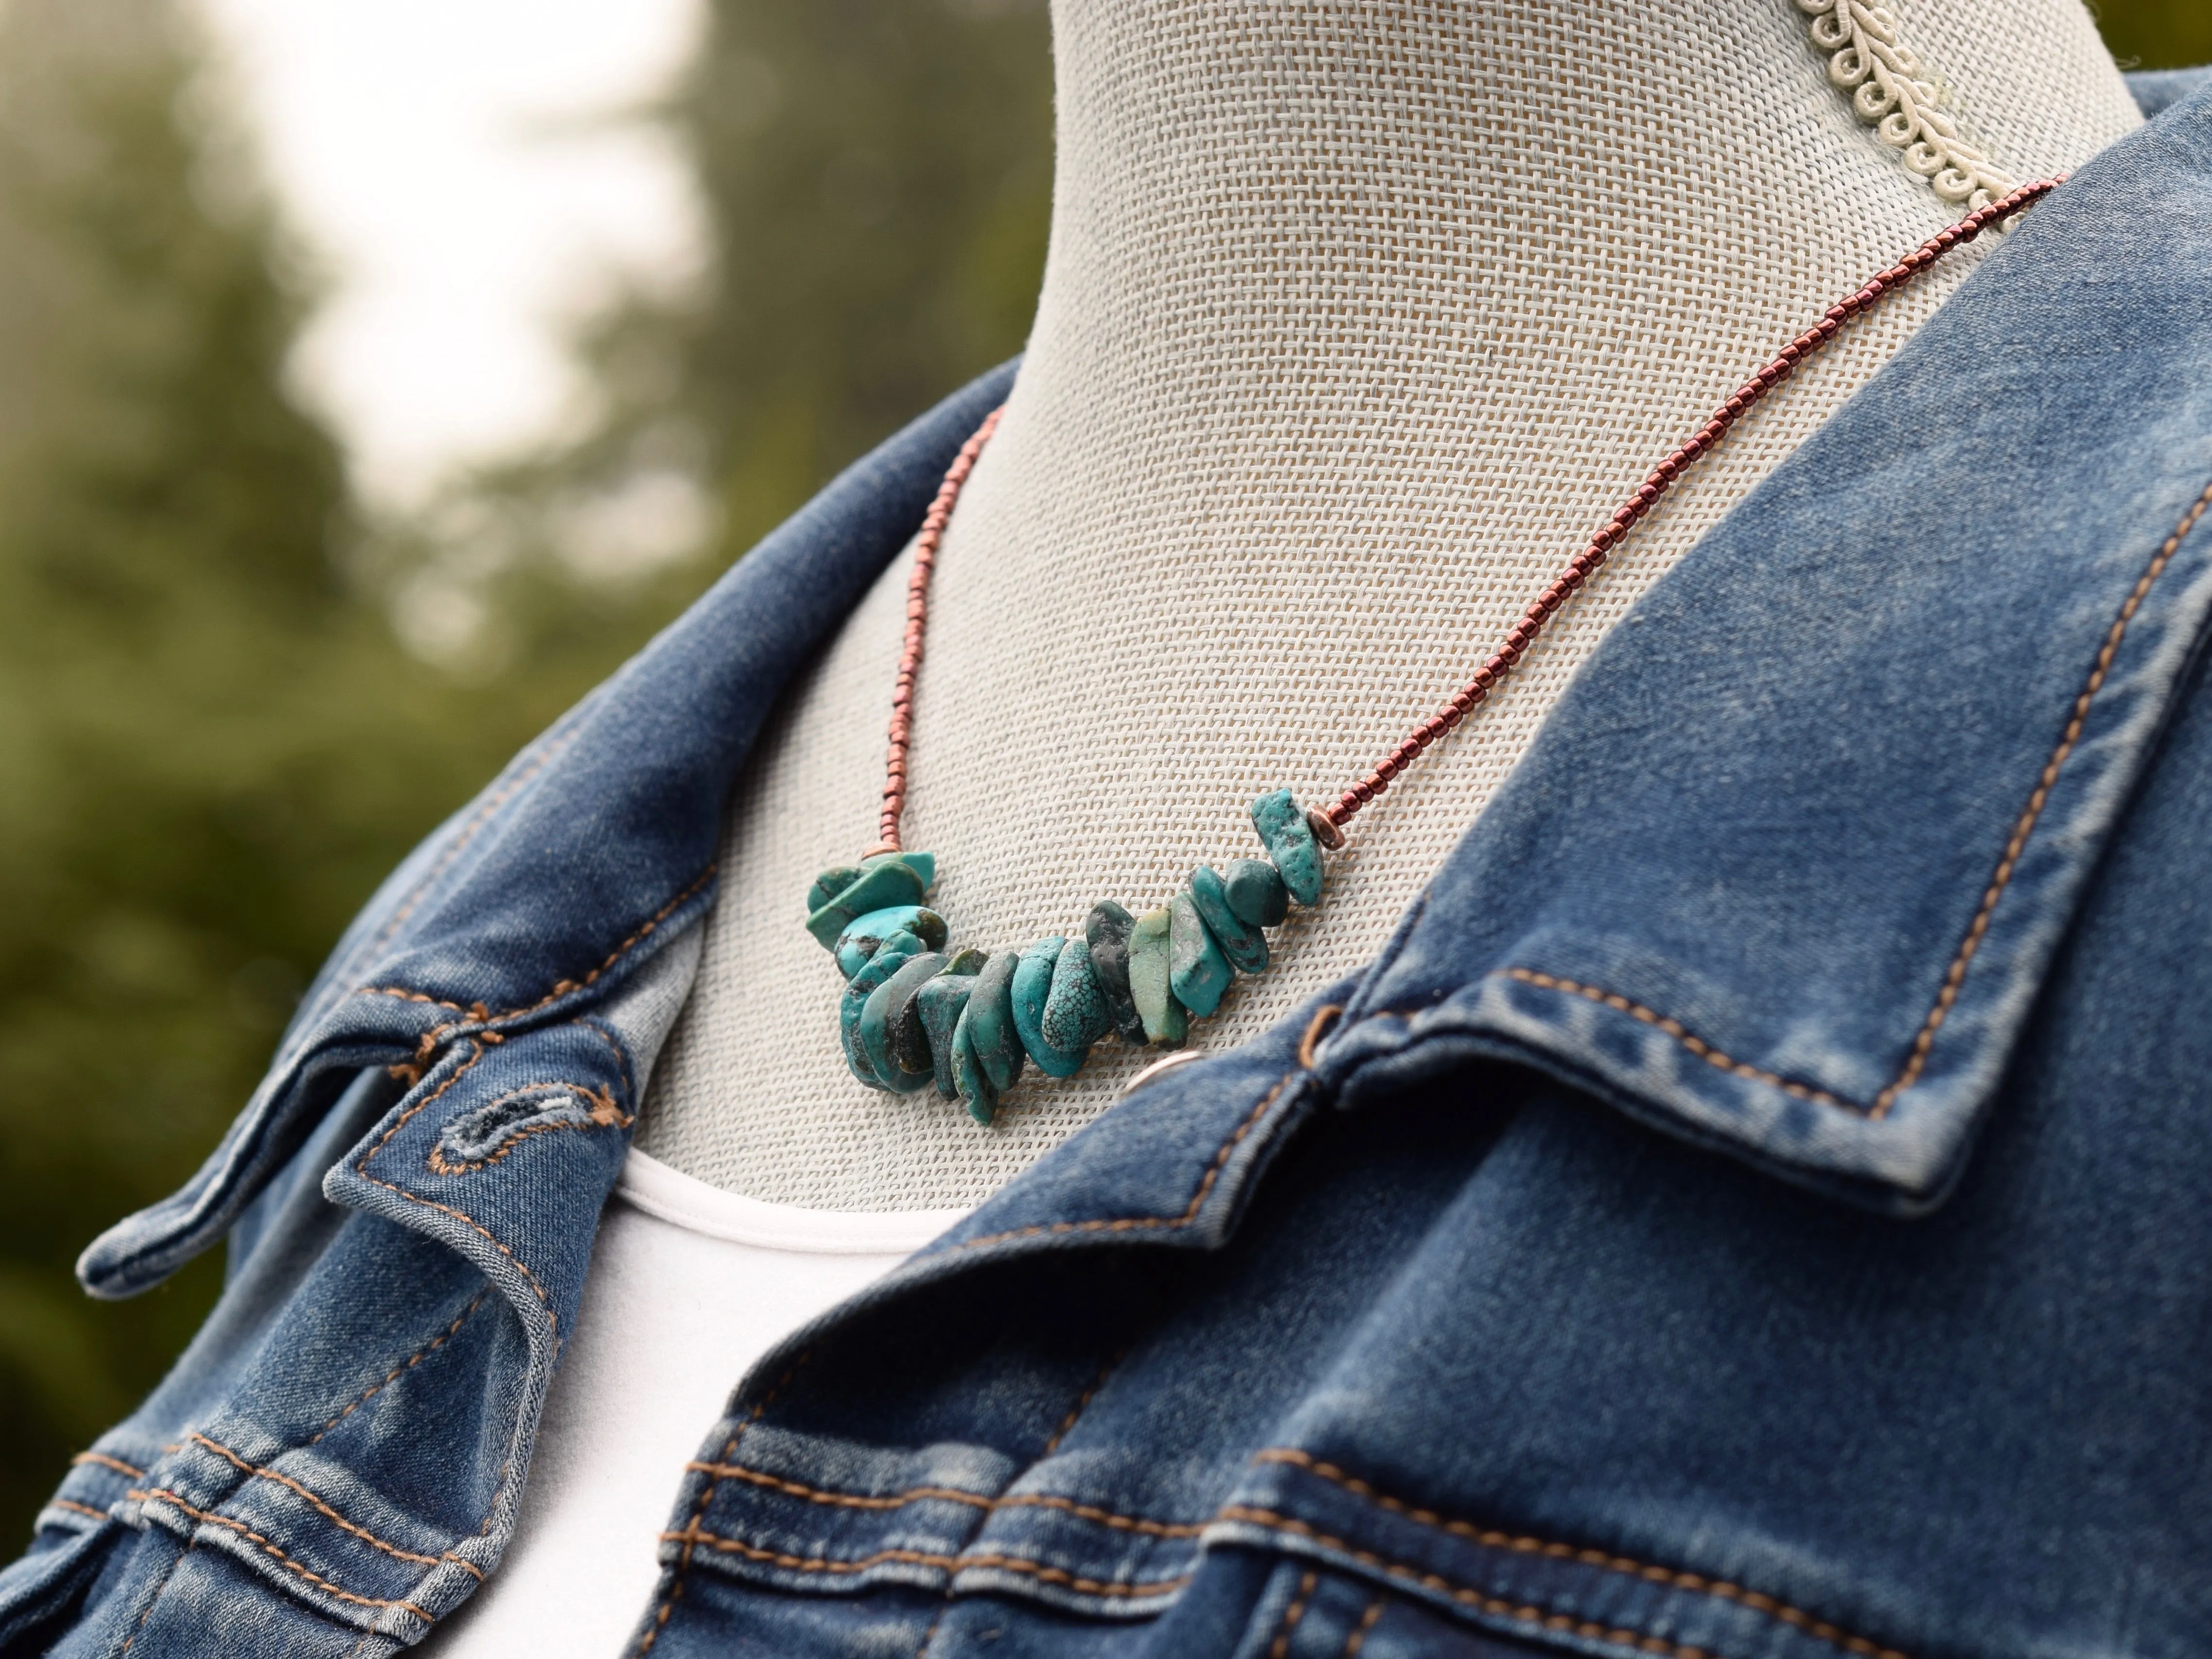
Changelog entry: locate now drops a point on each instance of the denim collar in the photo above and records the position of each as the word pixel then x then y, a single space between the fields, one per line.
pixel 1781 873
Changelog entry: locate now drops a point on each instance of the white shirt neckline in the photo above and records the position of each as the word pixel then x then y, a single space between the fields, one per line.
pixel 687 1203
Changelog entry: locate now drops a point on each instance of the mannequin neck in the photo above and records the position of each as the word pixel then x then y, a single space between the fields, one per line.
pixel 1356 321
pixel 1258 168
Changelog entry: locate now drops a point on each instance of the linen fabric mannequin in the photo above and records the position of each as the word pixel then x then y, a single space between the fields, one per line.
pixel 1357 319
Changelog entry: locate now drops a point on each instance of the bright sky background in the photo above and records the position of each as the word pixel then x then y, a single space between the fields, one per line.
pixel 448 161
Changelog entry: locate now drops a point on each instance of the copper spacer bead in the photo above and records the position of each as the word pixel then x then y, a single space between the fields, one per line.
pixel 1324 829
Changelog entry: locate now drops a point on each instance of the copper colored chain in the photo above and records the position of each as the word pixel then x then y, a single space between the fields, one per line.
pixel 1524 633
pixel 917 624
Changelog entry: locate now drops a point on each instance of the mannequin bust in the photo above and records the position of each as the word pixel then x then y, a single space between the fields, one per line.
pixel 1356 321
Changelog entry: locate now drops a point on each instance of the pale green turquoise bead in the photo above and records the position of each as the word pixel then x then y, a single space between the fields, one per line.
pixel 1032 987
pixel 888 960
pixel 1197 971
pixel 971 1083
pixel 1075 1014
pixel 885 883
pixel 1163 1017
pixel 1245 946
pixel 860 941
pixel 1289 842
pixel 886 1006
pixel 1257 896
pixel 990 1021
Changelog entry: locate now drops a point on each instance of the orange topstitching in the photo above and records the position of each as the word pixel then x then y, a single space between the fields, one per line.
pixel 1141 1224
pixel 329 1513
pixel 361 1168
pixel 107 1462
pixel 605 1114
pixel 1520 1612
pixel 1291 1614
pixel 478 1014
pixel 693 1536
pixel 162 1495
pixel 1368 1620
pixel 2008 862
pixel 706 1496
pixel 1524 1545
pixel 406 1365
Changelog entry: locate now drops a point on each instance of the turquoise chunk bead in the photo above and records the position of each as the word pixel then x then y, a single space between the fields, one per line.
pixel 1197 971
pixel 1245 946
pixel 1106 934
pixel 911 1047
pixel 904 945
pixel 894 955
pixel 971 1082
pixel 887 1007
pixel 922 864
pixel 830 883
pixel 990 1021
pixel 1257 896
pixel 862 939
pixel 888 881
pixel 1289 842
pixel 939 1005
pixel 1163 1017
pixel 1075 1014
pixel 1032 988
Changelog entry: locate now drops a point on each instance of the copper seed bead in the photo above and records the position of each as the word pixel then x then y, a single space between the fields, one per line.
pixel 1326 825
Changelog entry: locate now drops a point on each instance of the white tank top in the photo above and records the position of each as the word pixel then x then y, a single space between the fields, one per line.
pixel 689 1285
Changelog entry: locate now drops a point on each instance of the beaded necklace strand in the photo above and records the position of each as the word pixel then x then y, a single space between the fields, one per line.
pixel 915 1013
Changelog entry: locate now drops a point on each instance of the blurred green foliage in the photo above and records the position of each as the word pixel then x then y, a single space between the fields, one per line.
pixel 2156 34
pixel 212 745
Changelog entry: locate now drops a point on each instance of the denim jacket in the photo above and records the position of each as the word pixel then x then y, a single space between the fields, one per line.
pixel 1757 1205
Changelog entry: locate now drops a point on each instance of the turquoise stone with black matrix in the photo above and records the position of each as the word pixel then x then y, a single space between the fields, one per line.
pixel 1075 1014
pixel 1106 934
pixel 938 1007
pixel 830 883
pixel 1246 947
pixel 971 1083
pixel 1257 896
pixel 859 941
pixel 895 953
pixel 884 883
pixel 1032 989
pixel 970 1024
pixel 990 1021
pixel 886 1008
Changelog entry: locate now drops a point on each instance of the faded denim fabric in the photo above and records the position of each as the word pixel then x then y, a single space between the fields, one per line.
pixel 1759 1205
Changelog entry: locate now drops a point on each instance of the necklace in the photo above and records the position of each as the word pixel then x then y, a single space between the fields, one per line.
pixel 916 1012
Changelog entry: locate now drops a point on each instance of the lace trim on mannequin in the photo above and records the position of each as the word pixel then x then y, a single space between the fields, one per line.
pixel 1884 83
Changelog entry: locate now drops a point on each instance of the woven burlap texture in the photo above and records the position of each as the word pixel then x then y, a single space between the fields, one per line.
pixel 1357 319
